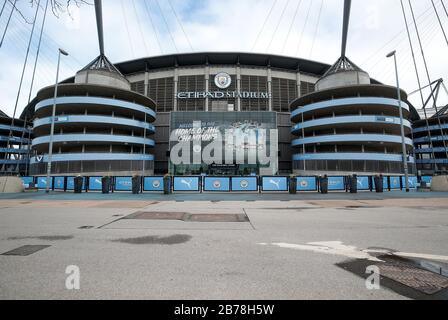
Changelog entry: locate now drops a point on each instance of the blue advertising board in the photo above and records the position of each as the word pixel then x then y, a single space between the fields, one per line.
pixel 244 184
pixel 412 182
pixel 274 184
pixel 386 183
pixel 218 184
pixel 59 183
pixel 336 184
pixel 363 183
pixel 153 184
pixel 71 183
pixel 186 183
pixel 395 183
pixel 427 179
pixel 95 183
pixel 123 184
pixel 26 181
pixel 306 184
pixel 42 182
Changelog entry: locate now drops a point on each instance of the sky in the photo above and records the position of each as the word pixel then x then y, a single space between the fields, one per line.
pixel 309 29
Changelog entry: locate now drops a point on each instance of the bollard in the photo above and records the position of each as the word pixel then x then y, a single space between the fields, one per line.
pixel 323 182
pixel 167 184
pixel 136 184
pixel 105 184
pixel 293 185
pixel 379 185
pixel 78 184
pixel 353 184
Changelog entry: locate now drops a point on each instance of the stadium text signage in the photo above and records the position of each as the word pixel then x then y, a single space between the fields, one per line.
pixel 223 95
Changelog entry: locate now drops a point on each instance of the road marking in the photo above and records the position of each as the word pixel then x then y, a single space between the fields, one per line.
pixel 338 248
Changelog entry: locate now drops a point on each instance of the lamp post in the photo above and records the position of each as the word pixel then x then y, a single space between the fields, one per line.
pixel 403 142
pixel 50 147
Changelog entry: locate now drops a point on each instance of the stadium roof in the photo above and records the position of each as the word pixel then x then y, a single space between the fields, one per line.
pixel 222 58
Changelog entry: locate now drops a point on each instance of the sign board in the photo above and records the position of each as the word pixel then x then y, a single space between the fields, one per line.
pixel 336 184
pixel 306 184
pixel 412 182
pixel 123 184
pixel 186 184
pixel 42 182
pixel 244 184
pixel 395 183
pixel 221 184
pixel 59 183
pixel 153 184
pixel 95 184
pixel 274 184
pixel 363 183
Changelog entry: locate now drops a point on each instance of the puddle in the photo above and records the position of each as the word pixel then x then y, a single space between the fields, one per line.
pixel 170 240
pixel 45 238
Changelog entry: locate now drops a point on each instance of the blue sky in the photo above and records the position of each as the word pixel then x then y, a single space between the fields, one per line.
pixel 376 28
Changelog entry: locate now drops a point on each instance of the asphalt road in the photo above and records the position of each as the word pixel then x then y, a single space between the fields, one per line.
pixel 267 257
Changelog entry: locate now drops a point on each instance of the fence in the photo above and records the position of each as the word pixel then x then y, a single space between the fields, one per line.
pixel 237 184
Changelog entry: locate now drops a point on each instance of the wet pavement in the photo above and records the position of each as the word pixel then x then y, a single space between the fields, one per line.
pixel 212 246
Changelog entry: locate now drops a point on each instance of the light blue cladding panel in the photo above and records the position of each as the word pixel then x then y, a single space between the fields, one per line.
pixel 363 183
pixel 351 138
pixel 186 183
pixel 94 157
pixel 336 183
pixel 104 138
pixel 97 119
pixel 71 183
pixel 95 101
pixel 153 184
pixel 59 183
pixel 347 102
pixel 350 156
pixel 244 184
pixel 412 182
pixel 349 120
pixel 386 182
pixel 95 183
pixel 306 184
pixel 123 184
pixel 395 182
pixel 275 184
pixel 217 184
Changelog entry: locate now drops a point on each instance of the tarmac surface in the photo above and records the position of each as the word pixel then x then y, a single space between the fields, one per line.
pixel 221 246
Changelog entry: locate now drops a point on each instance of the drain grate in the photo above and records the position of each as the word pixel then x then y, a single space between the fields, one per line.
pixel 25 250
pixel 413 277
pixel 187 217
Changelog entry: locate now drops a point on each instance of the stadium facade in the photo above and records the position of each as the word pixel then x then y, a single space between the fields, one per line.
pixel 105 114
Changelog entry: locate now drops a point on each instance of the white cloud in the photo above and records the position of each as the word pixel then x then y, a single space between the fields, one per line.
pixel 230 25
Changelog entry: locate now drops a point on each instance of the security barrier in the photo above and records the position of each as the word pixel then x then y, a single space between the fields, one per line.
pixel 336 184
pixel 153 184
pixel 123 184
pixel 274 184
pixel 306 184
pixel 186 184
pixel 270 184
pixel 217 184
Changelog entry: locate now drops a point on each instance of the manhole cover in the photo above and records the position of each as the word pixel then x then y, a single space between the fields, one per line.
pixel 416 278
pixel 218 218
pixel 156 215
pixel 187 217
pixel 25 250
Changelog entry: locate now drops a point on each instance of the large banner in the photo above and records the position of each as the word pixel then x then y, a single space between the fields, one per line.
pixel 239 142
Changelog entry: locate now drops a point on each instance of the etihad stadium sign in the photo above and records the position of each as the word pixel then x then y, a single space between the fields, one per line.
pixel 223 95
pixel 223 81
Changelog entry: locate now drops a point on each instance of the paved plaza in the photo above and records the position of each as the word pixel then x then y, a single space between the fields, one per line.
pixel 219 246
